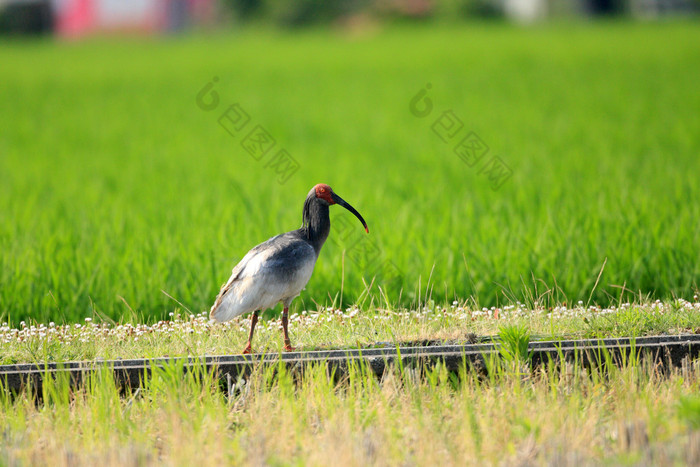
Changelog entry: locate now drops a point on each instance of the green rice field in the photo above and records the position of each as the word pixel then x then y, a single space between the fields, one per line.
pixel 544 160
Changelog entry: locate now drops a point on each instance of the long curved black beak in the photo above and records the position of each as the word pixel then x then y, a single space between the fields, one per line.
pixel 340 201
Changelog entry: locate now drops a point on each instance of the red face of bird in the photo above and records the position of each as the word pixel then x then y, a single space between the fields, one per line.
pixel 326 193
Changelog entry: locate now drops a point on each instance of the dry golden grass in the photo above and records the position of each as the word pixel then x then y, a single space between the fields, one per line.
pixel 557 416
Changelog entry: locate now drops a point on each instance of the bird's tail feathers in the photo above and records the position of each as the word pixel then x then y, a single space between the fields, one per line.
pixel 225 308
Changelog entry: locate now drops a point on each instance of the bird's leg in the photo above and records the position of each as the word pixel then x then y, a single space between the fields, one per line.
pixel 253 322
pixel 285 319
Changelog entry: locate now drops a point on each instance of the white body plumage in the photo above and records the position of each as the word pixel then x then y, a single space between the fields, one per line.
pixel 272 272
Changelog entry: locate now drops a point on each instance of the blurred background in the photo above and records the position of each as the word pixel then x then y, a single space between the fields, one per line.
pixel 78 18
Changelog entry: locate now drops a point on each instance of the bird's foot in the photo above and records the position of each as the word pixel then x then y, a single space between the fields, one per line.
pixel 288 347
pixel 248 349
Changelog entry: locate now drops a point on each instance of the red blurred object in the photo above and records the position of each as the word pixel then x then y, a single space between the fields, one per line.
pixel 78 18
pixel 74 17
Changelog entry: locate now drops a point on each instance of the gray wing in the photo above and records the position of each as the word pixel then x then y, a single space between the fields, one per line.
pixel 270 272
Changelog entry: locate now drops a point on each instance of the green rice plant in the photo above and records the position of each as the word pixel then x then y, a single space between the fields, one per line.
pixel 689 410
pixel 513 343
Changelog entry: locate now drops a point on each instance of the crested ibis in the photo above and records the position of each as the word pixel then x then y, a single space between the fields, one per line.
pixel 278 269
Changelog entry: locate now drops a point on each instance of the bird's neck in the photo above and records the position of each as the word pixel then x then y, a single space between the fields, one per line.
pixel 316 222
